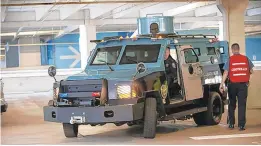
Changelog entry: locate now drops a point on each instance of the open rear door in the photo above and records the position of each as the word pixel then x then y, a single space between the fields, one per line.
pixel 191 72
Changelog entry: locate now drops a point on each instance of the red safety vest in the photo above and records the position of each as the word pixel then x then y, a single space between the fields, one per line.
pixel 239 68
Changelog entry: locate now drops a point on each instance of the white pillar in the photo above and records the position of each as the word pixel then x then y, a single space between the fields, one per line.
pixel 233 21
pixel 87 33
pixel 221 31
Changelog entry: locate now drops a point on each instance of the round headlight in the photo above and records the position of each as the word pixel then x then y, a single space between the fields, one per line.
pixel 124 91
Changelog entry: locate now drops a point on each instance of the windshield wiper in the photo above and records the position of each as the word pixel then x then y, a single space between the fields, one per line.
pixel 107 64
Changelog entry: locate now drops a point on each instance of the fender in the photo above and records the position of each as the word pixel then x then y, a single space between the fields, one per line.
pixel 160 106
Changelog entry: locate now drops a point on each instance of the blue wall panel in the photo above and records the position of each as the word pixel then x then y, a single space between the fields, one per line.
pixel 65 56
pixel 101 35
pixel 124 34
pixel 50 54
pixel 12 55
pixel 44 56
pixel 253 48
pixel 199 31
pixel 64 53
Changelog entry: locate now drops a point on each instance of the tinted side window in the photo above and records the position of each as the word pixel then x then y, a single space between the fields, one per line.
pixel 197 51
pixel 190 56
pixel 221 49
pixel 211 51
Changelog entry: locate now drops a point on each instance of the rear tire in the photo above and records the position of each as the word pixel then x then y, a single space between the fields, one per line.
pixel 70 130
pixel 215 110
pixel 150 119
pixel 214 113
pixel 199 118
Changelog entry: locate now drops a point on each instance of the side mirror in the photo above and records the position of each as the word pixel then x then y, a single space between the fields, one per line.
pixel 141 68
pixel 52 71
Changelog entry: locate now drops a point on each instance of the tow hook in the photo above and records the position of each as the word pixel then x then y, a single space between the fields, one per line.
pixel 77 120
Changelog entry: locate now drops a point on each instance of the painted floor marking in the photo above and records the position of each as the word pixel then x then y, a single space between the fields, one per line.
pixel 226 136
pixel 257 142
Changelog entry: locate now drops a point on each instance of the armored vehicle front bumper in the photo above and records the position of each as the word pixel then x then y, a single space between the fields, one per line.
pixel 94 115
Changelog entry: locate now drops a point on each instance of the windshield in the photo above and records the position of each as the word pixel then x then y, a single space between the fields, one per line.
pixel 140 53
pixel 106 55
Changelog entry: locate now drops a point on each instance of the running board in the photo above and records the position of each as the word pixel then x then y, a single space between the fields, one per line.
pixel 184 113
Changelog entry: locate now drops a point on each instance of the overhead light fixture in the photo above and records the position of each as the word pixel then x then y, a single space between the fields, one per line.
pixel 30 33
pixel 8 34
pixel 39 32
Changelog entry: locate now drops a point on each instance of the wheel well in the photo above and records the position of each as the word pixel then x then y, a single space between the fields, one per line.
pixel 212 88
pixel 157 96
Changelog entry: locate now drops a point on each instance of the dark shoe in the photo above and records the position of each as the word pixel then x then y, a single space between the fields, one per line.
pixel 231 126
pixel 241 128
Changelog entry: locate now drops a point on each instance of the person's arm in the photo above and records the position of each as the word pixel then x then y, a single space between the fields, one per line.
pixel 251 71
pixel 224 77
pixel 251 66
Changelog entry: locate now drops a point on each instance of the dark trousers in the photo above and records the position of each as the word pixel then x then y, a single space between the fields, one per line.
pixel 237 91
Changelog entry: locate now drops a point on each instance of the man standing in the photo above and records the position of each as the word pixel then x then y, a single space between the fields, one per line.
pixel 171 73
pixel 238 69
pixel 170 66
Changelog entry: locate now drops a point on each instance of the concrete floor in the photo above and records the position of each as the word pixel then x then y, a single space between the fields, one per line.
pixel 23 124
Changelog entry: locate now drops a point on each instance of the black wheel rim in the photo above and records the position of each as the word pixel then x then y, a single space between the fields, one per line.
pixel 216 109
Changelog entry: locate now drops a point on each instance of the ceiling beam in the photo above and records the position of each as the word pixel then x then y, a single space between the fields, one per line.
pixel 207 10
pixel 67 10
pixel 252 18
pixel 42 24
pixel 196 25
pixel 42 12
pixel 253 12
pixel 94 2
pixel 17 33
pixel 256 28
pixel 186 8
pixel 31 16
pixel 66 30
pixel 3 10
pixel 127 9
pixel 125 21
pixel 101 9
pixel 128 21
pixel 160 8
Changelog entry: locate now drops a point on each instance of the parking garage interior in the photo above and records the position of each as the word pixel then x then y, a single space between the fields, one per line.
pixel 36 34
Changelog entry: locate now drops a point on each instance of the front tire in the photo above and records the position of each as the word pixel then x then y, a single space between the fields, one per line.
pixel 150 119
pixel 70 130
